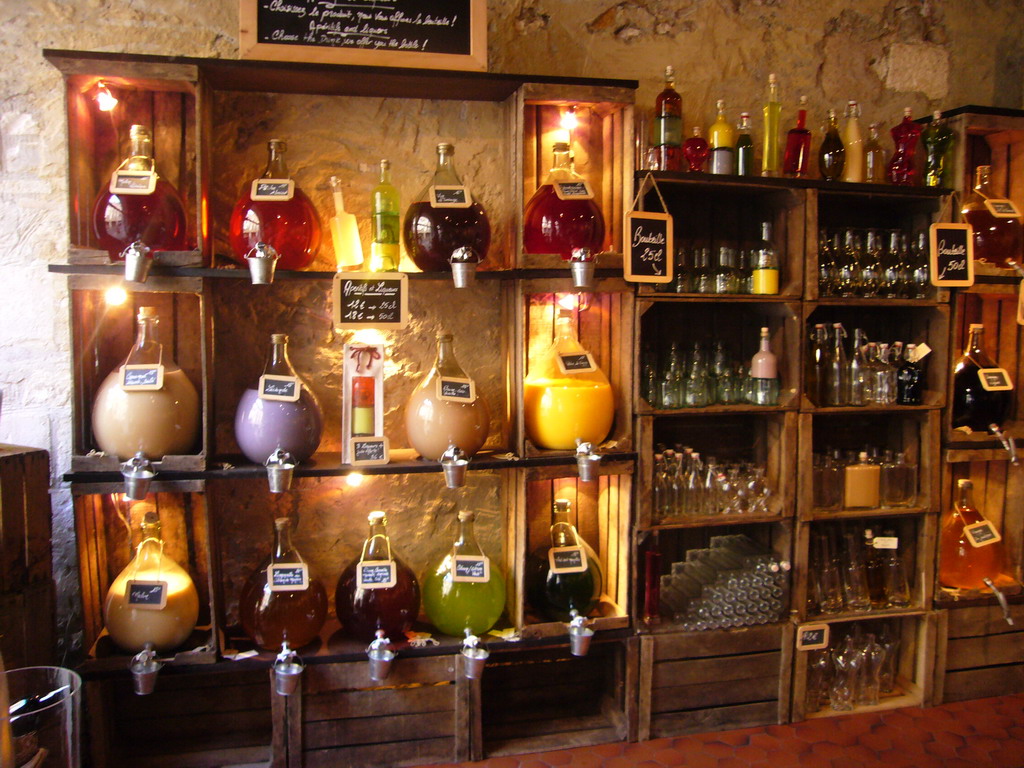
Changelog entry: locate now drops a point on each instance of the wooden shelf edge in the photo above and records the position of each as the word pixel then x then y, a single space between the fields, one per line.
pixel 885 613
pixel 816 515
pixel 712 521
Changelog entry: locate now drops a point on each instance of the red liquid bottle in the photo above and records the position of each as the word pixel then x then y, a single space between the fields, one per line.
pixel 798 144
pixel 561 216
pixel 996 238
pixel 378 590
pixel 901 166
pixel 433 229
pixel 668 129
pixel 289 223
pixel 696 151
pixel 146 208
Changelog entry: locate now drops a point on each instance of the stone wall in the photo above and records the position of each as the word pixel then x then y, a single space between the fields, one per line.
pixel 887 55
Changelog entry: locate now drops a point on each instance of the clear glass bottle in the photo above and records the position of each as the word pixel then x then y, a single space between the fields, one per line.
pixel 848 268
pixel 263 425
pixel 744 147
pixel 385 253
pixel 832 154
pixel 433 233
pixel 555 226
pixel 898 482
pixel 365 606
pixel 896 585
pixel 816 375
pixel 722 138
pixel 902 169
pixel 454 604
pixel 974 407
pixel 433 423
pixel 961 564
pixel 132 626
pixel 893 277
pixel 561 405
pixel 798 145
pixel 703 273
pixel 727 273
pixel 272 614
pixel 938 139
pixel 873 570
pixel 871 265
pixel 862 484
pixel 292 226
pixel 554 588
pixel 909 378
pixel 764 371
pixel 858 371
pixel 875 164
pixel 696 150
pixel 156 218
pixel 668 125
pixel 770 160
pixel 996 239
pixel 765 276
pixel 155 422
pixel 853 143
pixel 671 384
pixel 920 286
pixel 837 382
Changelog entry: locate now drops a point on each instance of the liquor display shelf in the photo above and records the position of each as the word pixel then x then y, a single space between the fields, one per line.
pixel 861 190
pixel 854 409
pixel 853 514
pixel 740 298
pixel 874 613
pixel 952 599
pixel 709 410
pixel 838 301
pixel 709 521
pixel 669 627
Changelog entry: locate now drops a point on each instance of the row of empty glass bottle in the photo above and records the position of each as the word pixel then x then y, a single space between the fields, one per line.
pixel 872 373
pixel 886 263
pixel 727 267
pixel 856 571
pixel 868 479
pixel 735 582
pixel 857 668
pixel 702 378
pixel 685 484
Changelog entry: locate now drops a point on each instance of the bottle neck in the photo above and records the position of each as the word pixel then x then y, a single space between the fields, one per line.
pixel 446 364
pixel 974 340
pixel 765 343
pixel 378 545
pixel 147 349
pixel 276 167
pixel 445 172
pixel 278 364
pixel 282 538
pixel 140 153
pixel 963 497
pixel 773 92
pixel 151 547
pixel 801 119
pixel 385 172
pixel 982 180
pixel 466 543
pixel 563 533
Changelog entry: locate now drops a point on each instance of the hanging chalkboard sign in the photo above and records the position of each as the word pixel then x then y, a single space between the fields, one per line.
pixel 811 637
pixel 289 577
pixel 1002 208
pixel 272 190
pixel 567 560
pixel 995 379
pixel 982 534
pixel 471 568
pixel 388 33
pixel 952 255
pixel 142 378
pixel 284 388
pixel 456 390
pixel 147 595
pixel 369 451
pixel 649 247
pixel 370 300
pixel 450 197
pixel 576 363
pixel 375 574
pixel 579 189
pixel 133 182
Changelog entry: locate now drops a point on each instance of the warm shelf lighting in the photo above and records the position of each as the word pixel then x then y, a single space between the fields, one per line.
pixel 105 100
pixel 115 296
pixel 569 119
pixel 354 479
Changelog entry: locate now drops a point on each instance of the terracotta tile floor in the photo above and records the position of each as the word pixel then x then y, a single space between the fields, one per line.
pixel 969 734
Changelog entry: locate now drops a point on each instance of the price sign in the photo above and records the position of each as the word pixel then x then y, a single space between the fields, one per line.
pixel 288 577
pixel 886 542
pixel 811 637
pixel 450 197
pixel 147 595
pixel 376 574
pixel 471 568
pixel 982 534
pixel 952 255
pixel 369 451
pixel 283 388
pixel 649 247
pixel 995 379
pixel 574 190
pixel 456 390
pixel 371 300
pixel 272 190
pixel 133 182
pixel 567 560
pixel 142 378
pixel 582 363
pixel 1002 208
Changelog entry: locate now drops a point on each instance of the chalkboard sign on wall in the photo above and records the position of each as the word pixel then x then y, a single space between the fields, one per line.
pixel 370 300
pixel 648 245
pixel 388 33
pixel 952 255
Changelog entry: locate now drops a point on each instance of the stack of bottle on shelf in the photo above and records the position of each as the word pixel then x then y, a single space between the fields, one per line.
pixel 873 263
pixel 709 379
pixel 750 268
pixel 857 668
pixel 876 373
pixel 869 479
pixel 734 582
pixel 851 572
pixel 686 485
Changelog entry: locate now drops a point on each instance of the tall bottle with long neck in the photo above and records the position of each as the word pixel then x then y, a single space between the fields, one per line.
pixel 875 166
pixel 798 145
pixel 962 565
pixel 668 125
pixel 156 419
pixel 385 252
pixel 816 374
pixel 973 406
pixel 764 372
pixel 765 274
pixel 377 591
pixel 744 147
pixel 772 125
pixel 853 143
pixel 155 217
pixel 266 422
pixel 564 574
pixel 902 170
pixel 938 139
pixel 722 139
pixel 289 224
pixel 464 590
pixel 997 239
pixel 837 386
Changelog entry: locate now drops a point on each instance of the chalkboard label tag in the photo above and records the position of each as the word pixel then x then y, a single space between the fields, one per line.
pixel 649 247
pixel 951 255
pixel 133 182
pixel 574 190
pixel 982 534
pixel 142 378
pixel 471 568
pixel 147 595
pixel 812 637
pixel 272 190
pixel 582 363
pixel 995 379
pixel 456 390
pixel 886 542
pixel 289 577
pixel 369 451
pixel 371 300
pixel 450 196
pixel 567 559
pixel 1002 208
pixel 283 388
pixel 376 574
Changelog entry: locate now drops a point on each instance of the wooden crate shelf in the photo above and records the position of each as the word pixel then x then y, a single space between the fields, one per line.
pixel 979 654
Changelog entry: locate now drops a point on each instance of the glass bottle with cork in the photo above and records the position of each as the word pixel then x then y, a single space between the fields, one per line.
pixel 722 139
pixel 938 139
pixel 765 275
pixel 668 125
pixel 770 164
pixel 564 574
pixel 798 145
pixel 853 144
pixel 385 252
pixel 744 147
pixel 764 373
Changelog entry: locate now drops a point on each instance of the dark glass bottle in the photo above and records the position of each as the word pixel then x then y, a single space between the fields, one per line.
pixel 552 593
pixel 668 125
pixel 744 147
pixel 973 406
pixel 798 145
pixel 364 606
pixel 832 154
pixel 909 378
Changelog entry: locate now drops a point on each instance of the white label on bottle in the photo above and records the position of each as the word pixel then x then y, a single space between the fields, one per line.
pixel 567 559
pixel 272 190
pixel 576 363
pixel 1002 208
pixel 142 378
pixel 995 379
pixel 449 196
pixel 146 595
pixel 288 577
pixel 283 388
pixel 574 190
pixel 456 390
pixel 886 542
pixel 375 574
pixel 471 568
pixel 920 352
pixel 982 534
pixel 133 182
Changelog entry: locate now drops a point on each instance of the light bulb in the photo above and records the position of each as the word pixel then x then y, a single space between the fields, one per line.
pixel 569 119
pixel 105 100
pixel 115 296
pixel 354 479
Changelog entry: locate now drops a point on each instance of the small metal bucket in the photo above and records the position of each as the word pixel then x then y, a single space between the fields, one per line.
pixel 587 464
pixel 582 264
pixel 144 669
pixel 280 469
pixel 262 260
pixel 464 262
pixel 380 663
pixel 136 263
pixel 138 474
pixel 454 472
pixel 579 640
pixel 476 658
pixel 286 676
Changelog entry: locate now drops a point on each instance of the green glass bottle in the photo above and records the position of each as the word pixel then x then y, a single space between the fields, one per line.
pixel 566 575
pixel 744 146
pixel 384 223
pixel 832 155
pixel 464 591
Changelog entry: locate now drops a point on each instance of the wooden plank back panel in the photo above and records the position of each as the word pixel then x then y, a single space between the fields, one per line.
pixel 25 527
